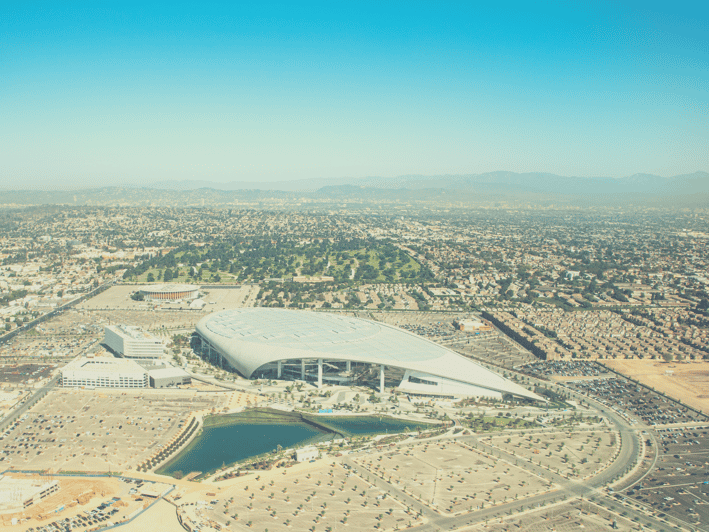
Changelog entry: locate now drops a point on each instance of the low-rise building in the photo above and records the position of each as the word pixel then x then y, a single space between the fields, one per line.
pixel 305 454
pixel 168 377
pixel 17 494
pixel 103 373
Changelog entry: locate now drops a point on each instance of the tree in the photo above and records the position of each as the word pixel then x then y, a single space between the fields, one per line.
pixel 668 357
pixel 151 277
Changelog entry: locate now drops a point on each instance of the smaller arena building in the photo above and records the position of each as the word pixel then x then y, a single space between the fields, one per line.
pixel 170 292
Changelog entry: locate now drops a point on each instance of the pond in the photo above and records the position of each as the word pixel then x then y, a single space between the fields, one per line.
pixel 232 438
pixel 231 443
pixel 366 425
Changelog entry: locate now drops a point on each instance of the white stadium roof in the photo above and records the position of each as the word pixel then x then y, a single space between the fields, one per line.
pixel 250 338
pixel 169 287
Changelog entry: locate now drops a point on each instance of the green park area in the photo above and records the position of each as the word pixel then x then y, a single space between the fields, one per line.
pixel 250 260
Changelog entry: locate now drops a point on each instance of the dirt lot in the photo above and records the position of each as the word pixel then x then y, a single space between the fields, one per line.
pixel 688 382
pixel 161 514
pixel 224 298
pixel 114 297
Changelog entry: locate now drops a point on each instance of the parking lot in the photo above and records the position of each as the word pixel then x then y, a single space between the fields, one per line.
pixel 324 495
pixel 652 408
pixel 452 477
pixel 25 373
pixel 118 298
pixel 567 517
pixel 679 483
pixel 490 346
pixel 91 430
pixel 41 347
pixel 562 370
pixel 576 454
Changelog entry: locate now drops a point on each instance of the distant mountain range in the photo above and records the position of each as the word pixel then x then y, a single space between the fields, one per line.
pixel 498 187
pixel 532 182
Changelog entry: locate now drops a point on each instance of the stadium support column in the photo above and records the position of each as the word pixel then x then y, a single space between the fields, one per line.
pixel 280 368
pixel 381 378
pixel 349 365
pixel 302 369
pixel 319 372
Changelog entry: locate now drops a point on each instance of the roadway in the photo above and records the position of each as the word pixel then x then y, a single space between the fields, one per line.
pixel 28 403
pixel 564 490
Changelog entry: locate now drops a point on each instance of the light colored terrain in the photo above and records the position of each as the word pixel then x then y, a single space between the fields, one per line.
pixel 687 382
pixel 160 516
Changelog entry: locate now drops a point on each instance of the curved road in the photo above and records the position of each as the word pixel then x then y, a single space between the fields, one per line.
pixel 630 448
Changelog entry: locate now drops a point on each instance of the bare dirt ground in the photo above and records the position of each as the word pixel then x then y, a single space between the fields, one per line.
pixel 687 382
pixel 160 516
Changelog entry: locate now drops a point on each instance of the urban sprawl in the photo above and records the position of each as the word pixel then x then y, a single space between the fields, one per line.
pixel 601 313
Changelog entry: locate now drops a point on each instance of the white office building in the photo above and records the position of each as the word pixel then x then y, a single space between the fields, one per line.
pixel 132 342
pixel 306 454
pixel 104 373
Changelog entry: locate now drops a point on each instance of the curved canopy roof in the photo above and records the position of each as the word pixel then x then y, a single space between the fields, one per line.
pixel 251 337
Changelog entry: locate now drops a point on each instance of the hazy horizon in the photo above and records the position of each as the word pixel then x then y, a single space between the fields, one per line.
pixel 101 94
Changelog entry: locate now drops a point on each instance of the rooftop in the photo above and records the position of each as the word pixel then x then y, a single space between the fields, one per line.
pixel 131 332
pixel 253 337
pixel 103 365
pixel 169 287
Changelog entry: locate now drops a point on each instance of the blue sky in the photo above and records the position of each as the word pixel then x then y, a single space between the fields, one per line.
pixel 122 92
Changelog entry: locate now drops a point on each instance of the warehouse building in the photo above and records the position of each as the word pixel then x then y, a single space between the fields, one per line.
pixel 132 342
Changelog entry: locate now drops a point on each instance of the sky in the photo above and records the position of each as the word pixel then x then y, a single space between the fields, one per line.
pixel 106 92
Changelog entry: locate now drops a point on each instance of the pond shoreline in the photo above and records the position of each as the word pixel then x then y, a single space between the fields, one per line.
pixel 292 429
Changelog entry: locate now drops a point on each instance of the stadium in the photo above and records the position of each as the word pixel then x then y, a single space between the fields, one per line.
pixel 170 292
pixel 334 349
